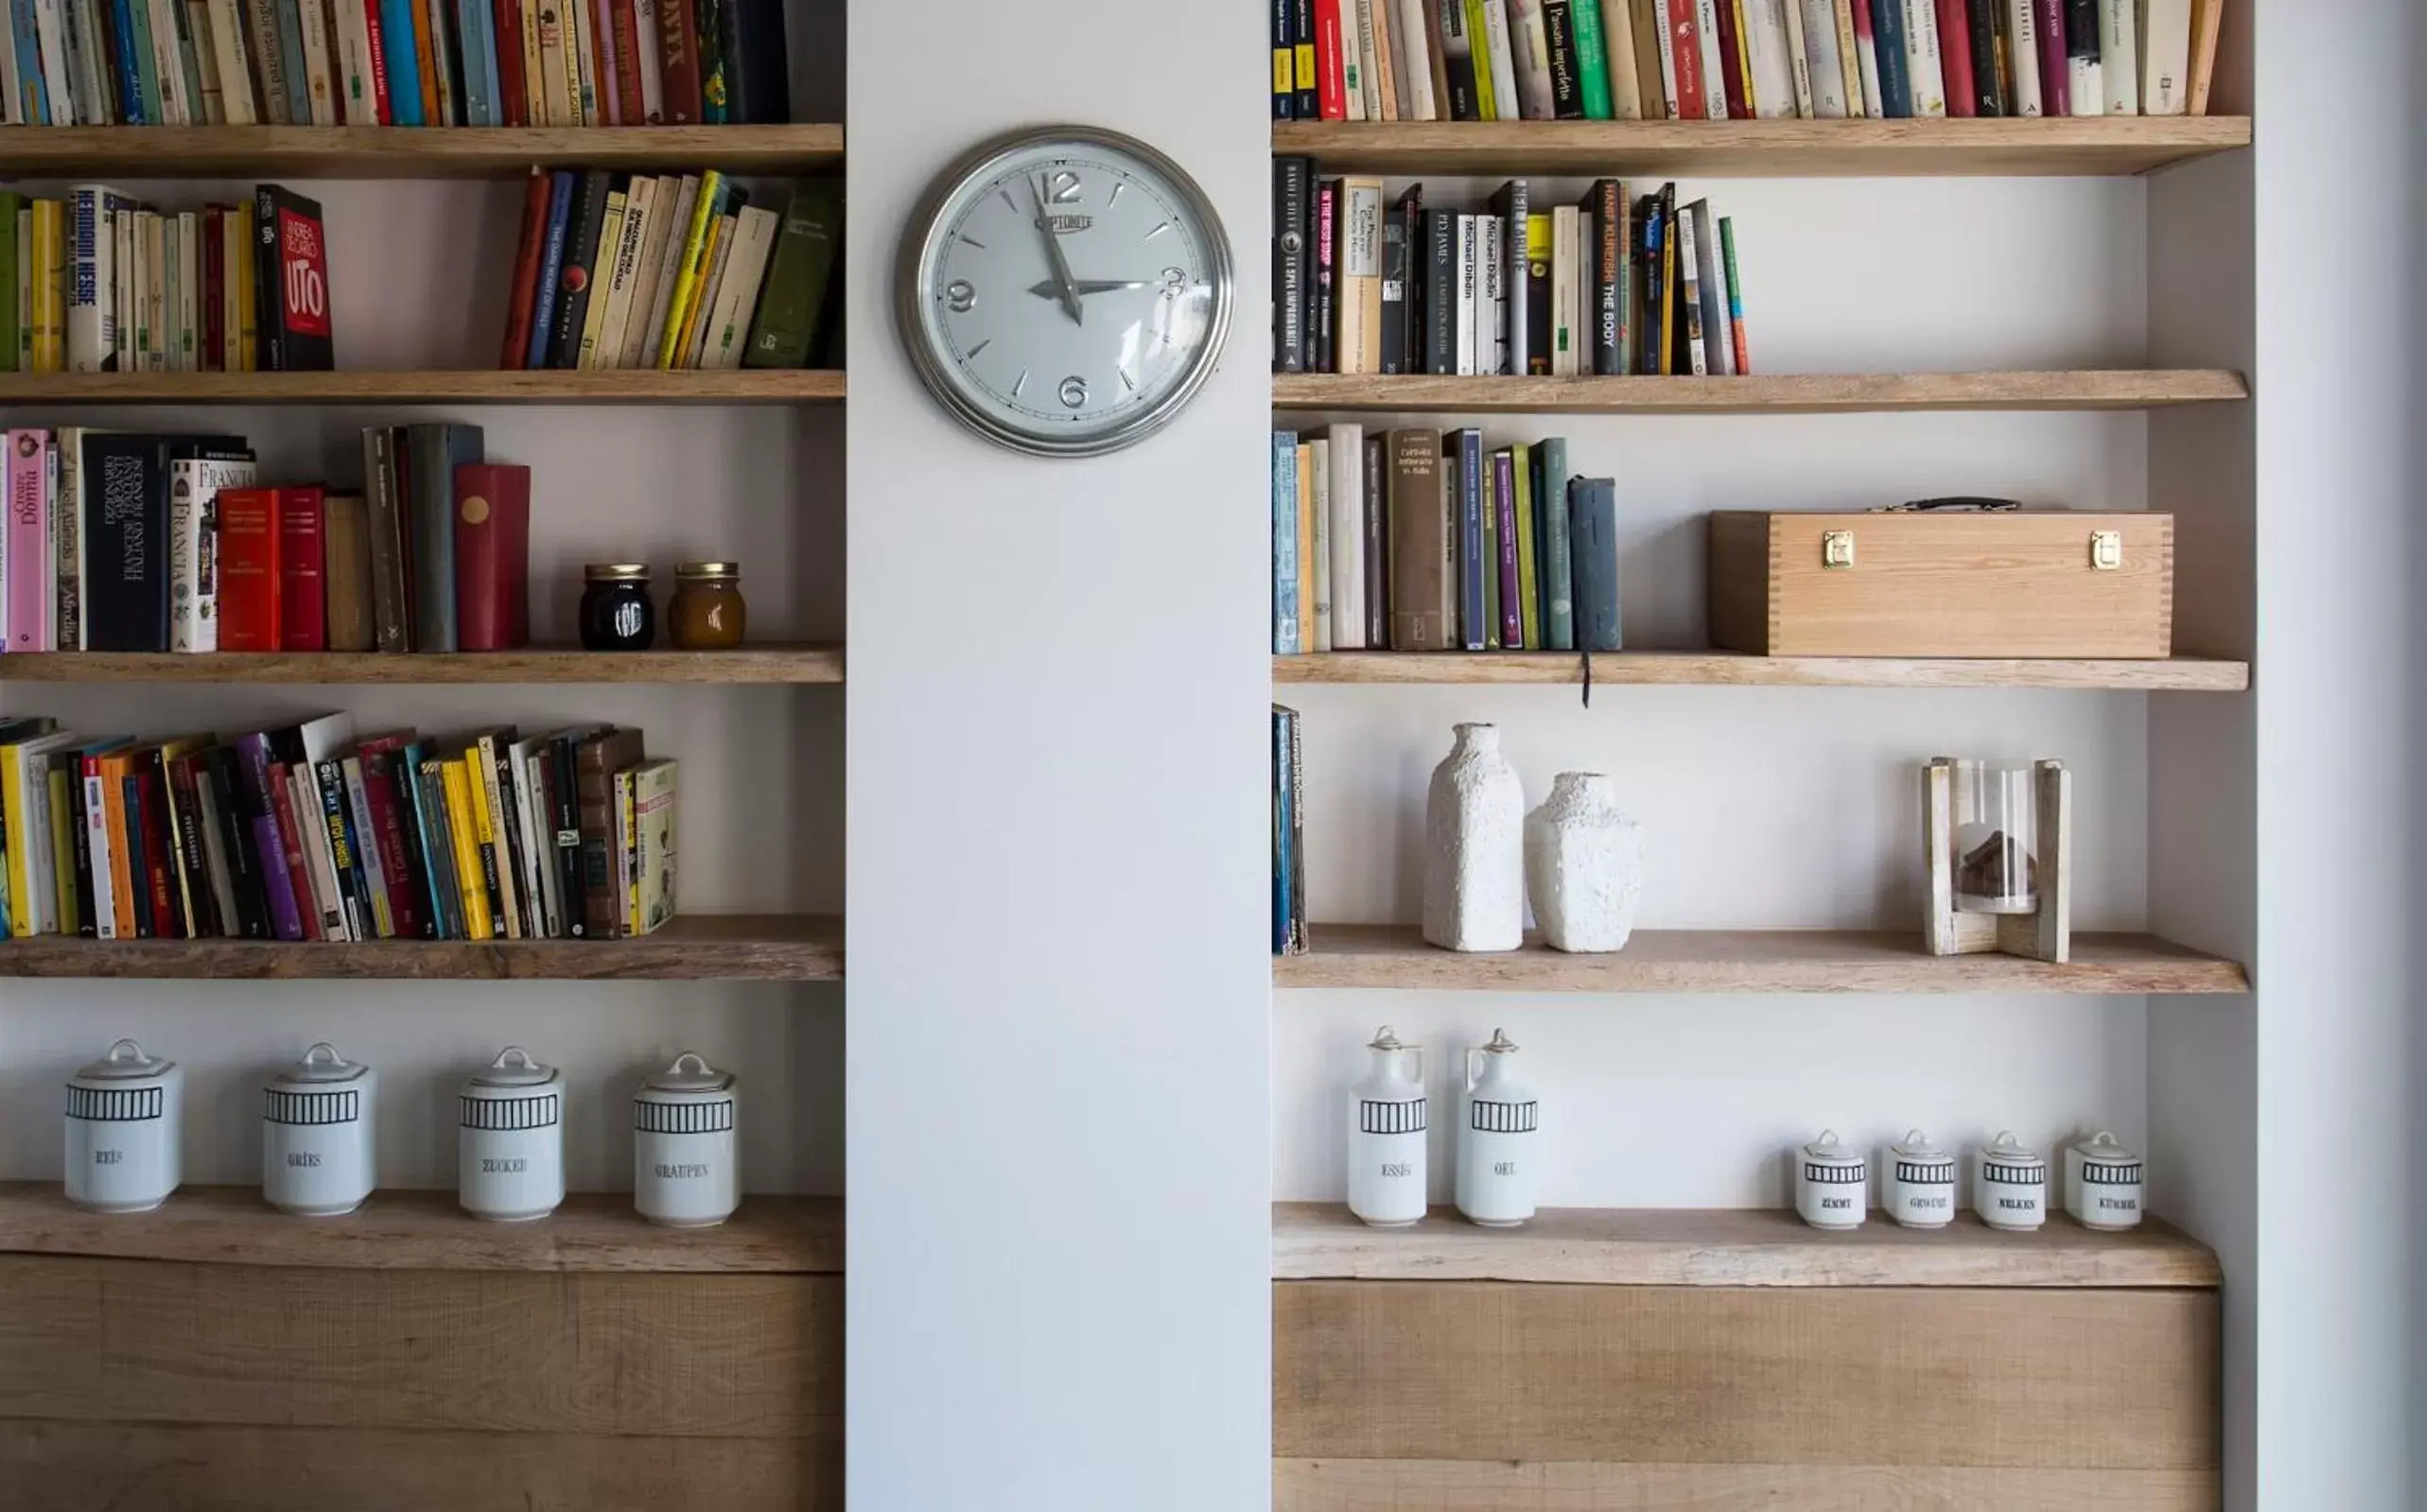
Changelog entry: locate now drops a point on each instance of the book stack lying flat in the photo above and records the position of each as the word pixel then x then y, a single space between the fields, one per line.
pixel 1614 283
pixel 304 832
pixel 1739 59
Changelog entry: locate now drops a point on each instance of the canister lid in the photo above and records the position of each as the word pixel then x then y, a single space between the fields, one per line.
pixel 688 1073
pixel 321 1063
pixel 513 1066
pixel 1916 1145
pixel 616 572
pixel 125 1062
pixel 1385 1040
pixel 697 570
pixel 1501 1044
pixel 1829 1150
pixel 2104 1148
pixel 2008 1149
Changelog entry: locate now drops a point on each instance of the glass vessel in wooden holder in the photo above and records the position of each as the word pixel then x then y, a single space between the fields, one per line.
pixel 1996 838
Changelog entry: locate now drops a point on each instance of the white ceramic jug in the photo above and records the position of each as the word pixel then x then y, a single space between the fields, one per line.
pixel 1387 1134
pixel 1497 1129
pixel 319 1135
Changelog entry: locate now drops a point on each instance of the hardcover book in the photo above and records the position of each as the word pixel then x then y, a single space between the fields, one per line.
pixel 1422 549
pixel 492 556
pixel 1591 504
pixel 433 454
pixel 786 325
pixel 292 274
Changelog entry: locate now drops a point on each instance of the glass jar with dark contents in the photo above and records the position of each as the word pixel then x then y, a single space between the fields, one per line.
pixel 615 612
pixel 707 613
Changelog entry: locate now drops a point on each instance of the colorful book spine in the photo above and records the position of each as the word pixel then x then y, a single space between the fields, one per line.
pixel 1895 58
pixel 1469 473
pixel 1528 555
pixel 1734 298
pixel 404 62
pixel 1284 544
pixel 551 268
pixel 30 571
pixel 1557 552
pixel 1504 550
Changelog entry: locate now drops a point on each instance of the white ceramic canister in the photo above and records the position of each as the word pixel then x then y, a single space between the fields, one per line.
pixel 2010 1183
pixel 1387 1123
pixel 510 1139
pixel 1832 1183
pixel 2103 1183
pixel 123 1114
pixel 319 1134
pixel 1920 1182
pixel 1497 1131
pixel 683 1164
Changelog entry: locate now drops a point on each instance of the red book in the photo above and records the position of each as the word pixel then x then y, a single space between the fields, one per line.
pixel 1692 103
pixel 2055 72
pixel 492 556
pixel 516 102
pixel 1739 105
pixel 214 275
pixel 302 605
pixel 526 271
pixel 384 112
pixel 249 569
pixel 399 861
pixel 166 922
pixel 1331 66
pixel 282 807
pixel 626 34
pixel 678 63
pixel 1955 57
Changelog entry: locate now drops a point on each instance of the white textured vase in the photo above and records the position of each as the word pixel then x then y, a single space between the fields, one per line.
pixel 1474 848
pixel 1583 865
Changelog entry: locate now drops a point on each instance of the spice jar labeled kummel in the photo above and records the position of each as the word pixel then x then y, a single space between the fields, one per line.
pixel 707 613
pixel 615 612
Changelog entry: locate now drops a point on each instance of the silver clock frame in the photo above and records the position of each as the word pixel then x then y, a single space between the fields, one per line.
pixel 919 242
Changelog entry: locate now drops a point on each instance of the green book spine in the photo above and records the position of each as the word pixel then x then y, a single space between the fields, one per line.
pixel 1558 589
pixel 786 322
pixel 1486 107
pixel 1734 298
pixel 708 31
pixel 10 201
pixel 146 66
pixel 1528 587
pixel 1592 59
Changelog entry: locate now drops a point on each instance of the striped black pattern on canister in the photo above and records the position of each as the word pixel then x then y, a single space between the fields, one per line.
pixel 311 1108
pixel 681 1117
pixel 1835 1175
pixel 118 1106
pixel 2108 1173
pixel 508 1112
pixel 1503 1117
pixel 2033 1175
pixel 1927 1172
pixel 1391 1118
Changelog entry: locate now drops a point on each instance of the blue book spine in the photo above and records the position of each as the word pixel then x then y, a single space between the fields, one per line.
pixel 1558 584
pixel 1474 623
pixel 409 790
pixel 1655 336
pixel 1283 801
pixel 1593 509
pixel 147 63
pixel 1895 75
pixel 130 79
pixel 1284 543
pixel 480 63
pixel 404 72
pixel 551 266
pixel 291 47
pixel 32 103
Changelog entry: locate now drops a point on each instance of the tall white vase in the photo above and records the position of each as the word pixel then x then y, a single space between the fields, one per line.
pixel 1474 848
pixel 1583 865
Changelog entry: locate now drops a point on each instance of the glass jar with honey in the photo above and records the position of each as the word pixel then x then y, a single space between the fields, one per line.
pixel 707 613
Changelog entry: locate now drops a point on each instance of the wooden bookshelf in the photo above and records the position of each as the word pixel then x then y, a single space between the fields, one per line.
pixel 2067 146
pixel 770 664
pixel 695 947
pixel 1315 1241
pixel 427 1231
pixel 478 386
pixel 1734 670
pixel 1749 961
pixel 412 152
pixel 1760 393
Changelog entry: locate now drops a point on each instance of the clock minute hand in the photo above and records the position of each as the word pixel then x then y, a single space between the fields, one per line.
pixel 1061 264
pixel 1087 286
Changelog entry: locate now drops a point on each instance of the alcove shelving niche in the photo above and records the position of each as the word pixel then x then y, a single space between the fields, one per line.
pixel 1962 307
pixel 729 1340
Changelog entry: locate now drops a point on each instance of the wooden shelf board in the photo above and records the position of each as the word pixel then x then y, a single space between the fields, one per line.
pixel 771 664
pixel 1697 961
pixel 478 386
pixel 400 1230
pixel 2065 147
pixel 1726 1247
pixel 1735 670
pixel 409 152
pixel 694 947
pixel 1760 393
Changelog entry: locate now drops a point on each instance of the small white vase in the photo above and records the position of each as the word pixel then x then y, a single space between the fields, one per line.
pixel 1474 848
pixel 1583 865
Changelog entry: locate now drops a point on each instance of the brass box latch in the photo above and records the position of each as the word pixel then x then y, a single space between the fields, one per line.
pixel 1837 549
pixel 2106 550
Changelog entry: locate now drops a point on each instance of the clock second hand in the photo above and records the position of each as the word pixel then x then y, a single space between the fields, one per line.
pixel 1061 264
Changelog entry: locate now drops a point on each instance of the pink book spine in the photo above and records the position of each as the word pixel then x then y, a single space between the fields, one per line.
pixel 612 109
pixel 2056 94
pixel 30 567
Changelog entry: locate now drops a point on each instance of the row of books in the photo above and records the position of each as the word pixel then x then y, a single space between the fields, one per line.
pixel 1413 540
pixel 394 62
pixel 302 832
pixel 1617 284
pixel 627 270
pixel 131 542
pixel 1739 59
pixel 102 283
pixel 1289 834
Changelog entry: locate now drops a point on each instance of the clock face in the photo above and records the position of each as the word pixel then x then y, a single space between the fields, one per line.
pixel 1065 291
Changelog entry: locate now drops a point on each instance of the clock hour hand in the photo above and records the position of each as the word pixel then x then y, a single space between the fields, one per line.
pixel 1061 264
pixel 1088 285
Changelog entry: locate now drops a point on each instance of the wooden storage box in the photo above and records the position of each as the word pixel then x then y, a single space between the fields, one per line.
pixel 2049 584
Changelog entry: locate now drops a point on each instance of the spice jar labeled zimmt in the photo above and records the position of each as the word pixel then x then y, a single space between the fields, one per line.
pixel 616 611
pixel 707 613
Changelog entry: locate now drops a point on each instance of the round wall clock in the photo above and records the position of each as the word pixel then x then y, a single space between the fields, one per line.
pixel 1064 290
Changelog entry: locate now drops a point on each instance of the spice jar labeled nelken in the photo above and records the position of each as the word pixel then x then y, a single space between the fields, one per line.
pixel 319 1135
pixel 123 1117
pixel 510 1139
pixel 683 1168
pixel 2010 1183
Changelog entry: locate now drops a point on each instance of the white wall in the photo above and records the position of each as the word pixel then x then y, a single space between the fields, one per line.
pixel 1060 1248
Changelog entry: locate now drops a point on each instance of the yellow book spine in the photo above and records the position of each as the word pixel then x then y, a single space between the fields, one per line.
pixel 12 813
pixel 248 327
pixel 50 288
pixel 610 232
pixel 698 310
pixel 456 775
pixel 1667 336
pixel 63 855
pixel 693 265
pixel 484 834
pixel 1480 39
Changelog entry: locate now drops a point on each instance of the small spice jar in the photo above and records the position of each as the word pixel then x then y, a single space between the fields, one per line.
pixel 1921 1183
pixel 2010 1183
pixel 707 613
pixel 683 1145
pixel 615 612
pixel 510 1139
pixel 1832 1183
pixel 319 1135
pixel 123 1117
pixel 2103 1183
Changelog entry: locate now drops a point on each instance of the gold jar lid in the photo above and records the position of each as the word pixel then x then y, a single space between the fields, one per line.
pixel 708 569
pixel 616 572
